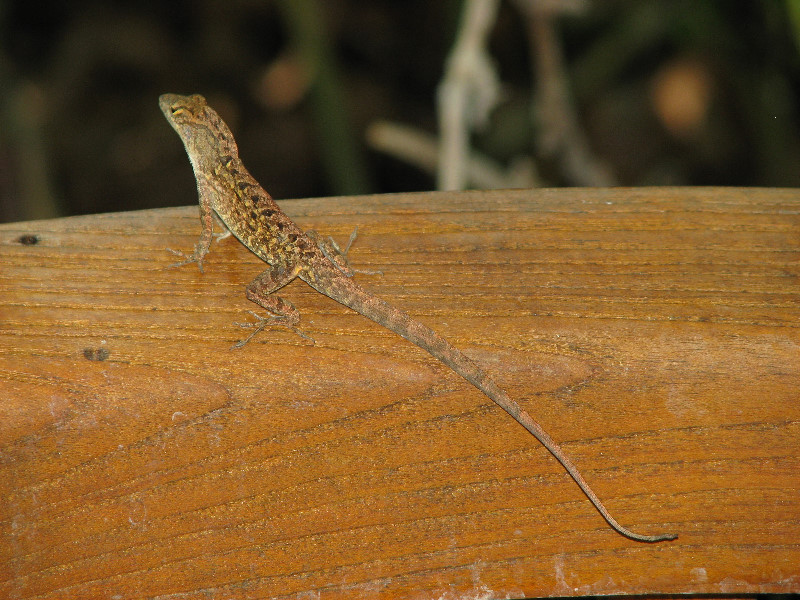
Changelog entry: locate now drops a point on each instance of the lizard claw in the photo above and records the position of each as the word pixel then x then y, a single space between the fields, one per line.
pixel 366 271
pixel 337 256
pixel 195 257
pixel 264 322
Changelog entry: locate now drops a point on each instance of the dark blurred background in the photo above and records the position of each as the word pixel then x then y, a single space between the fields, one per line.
pixel 665 92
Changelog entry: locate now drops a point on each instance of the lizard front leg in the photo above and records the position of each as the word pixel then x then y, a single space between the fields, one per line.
pixel 207 218
pixel 282 312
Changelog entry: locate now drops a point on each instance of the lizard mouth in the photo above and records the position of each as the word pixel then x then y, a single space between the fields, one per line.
pixel 174 105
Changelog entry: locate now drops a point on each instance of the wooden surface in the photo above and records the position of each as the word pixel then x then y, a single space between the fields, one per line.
pixel 654 332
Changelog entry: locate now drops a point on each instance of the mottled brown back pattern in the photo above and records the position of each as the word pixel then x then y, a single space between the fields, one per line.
pixel 226 188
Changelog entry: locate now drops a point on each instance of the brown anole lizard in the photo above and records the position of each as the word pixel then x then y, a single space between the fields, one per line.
pixel 227 189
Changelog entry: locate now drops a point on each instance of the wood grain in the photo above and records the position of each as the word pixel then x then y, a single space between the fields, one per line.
pixel 653 332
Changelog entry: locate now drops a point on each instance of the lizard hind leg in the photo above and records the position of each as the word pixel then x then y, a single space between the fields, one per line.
pixel 338 256
pixel 282 313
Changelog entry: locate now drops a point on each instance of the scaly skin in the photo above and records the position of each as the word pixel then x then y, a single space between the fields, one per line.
pixel 225 188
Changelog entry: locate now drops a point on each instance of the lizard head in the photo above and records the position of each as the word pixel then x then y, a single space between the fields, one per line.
pixel 205 135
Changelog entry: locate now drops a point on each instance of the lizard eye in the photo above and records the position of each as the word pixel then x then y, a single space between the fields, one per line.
pixel 177 109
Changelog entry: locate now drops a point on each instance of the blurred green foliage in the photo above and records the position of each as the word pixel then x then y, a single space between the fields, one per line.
pixel 79 80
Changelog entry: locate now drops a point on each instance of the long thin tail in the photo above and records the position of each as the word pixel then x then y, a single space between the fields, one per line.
pixel 350 294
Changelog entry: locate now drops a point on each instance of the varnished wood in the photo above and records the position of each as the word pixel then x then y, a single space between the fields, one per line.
pixel 653 332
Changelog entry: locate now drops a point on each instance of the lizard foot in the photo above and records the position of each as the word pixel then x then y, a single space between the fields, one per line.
pixel 194 257
pixel 343 253
pixel 264 322
pixel 338 256
pixel 225 233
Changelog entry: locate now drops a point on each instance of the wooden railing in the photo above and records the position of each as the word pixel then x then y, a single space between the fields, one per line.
pixel 655 333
